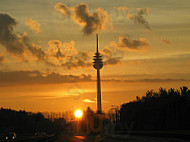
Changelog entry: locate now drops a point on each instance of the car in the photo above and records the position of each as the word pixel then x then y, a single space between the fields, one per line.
pixel 11 136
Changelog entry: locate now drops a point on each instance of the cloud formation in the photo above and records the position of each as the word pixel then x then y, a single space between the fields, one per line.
pixel 14 43
pixel 77 61
pixel 62 50
pixel 112 61
pixel 34 25
pixel 58 54
pixel 115 52
pixel 81 15
pixel 64 9
pixel 122 10
pixel 139 17
pixel 125 42
pixel 88 101
pixel 36 77
pixel 67 55
pixel 8 39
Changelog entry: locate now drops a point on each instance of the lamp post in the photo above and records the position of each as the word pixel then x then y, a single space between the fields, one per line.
pixel 116 108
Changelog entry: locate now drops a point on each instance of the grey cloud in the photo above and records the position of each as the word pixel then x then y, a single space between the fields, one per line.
pixel 36 77
pixel 147 80
pixel 112 61
pixel 114 53
pixel 64 9
pixel 76 63
pixel 15 43
pixel 7 37
pixel 127 42
pixel 82 16
pixel 139 18
pixel 36 50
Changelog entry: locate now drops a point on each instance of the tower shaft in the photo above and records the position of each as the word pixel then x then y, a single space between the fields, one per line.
pixel 99 103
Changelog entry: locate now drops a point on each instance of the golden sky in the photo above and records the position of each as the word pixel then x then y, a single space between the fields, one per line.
pixel 47 47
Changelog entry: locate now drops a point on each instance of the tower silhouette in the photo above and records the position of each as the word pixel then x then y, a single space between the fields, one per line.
pixel 98 64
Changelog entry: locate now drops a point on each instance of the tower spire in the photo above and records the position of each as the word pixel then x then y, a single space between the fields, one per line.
pixel 97 43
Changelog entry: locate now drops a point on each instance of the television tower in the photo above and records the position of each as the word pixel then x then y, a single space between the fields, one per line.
pixel 98 64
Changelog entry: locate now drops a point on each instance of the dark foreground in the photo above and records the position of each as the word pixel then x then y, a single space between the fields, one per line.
pixel 66 138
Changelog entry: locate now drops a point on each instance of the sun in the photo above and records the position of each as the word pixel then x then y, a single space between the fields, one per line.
pixel 78 113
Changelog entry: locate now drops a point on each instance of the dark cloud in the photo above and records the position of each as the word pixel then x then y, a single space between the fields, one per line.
pixel 8 38
pixel 111 55
pixel 16 44
pixel 139 18
pixel 75 64
pixel 147 80
pixel 37 51
pixel 80 60
pixel 64 9
pixel 34 49
pixel 106 51
pixel 80 14
pixel 114 53
pixel 131 44
pixel 112 61
pixel 36 77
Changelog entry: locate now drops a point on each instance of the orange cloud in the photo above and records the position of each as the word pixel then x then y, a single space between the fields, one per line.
pixel 81 15
pixel 34 25
pixel 88 101
pixel 66 55
pixel 122 10
pixel 114 53
pixel 64 9
pixel 61 50
pixel 125 42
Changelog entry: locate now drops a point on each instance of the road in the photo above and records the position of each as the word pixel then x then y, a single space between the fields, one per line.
pixel 66 138
pixel 142 139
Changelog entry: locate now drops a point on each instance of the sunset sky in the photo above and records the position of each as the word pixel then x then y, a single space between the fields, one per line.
pixel 47 49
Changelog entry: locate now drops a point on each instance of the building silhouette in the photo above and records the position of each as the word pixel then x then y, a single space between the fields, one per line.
pixel 98 64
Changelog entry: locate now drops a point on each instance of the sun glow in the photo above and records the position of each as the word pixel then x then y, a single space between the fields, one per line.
pixel 78 113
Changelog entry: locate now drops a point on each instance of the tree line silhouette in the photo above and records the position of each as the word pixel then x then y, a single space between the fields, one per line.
pixel 23 122
pixel 159 110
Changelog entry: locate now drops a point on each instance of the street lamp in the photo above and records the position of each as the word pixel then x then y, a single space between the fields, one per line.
pixel 116 108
